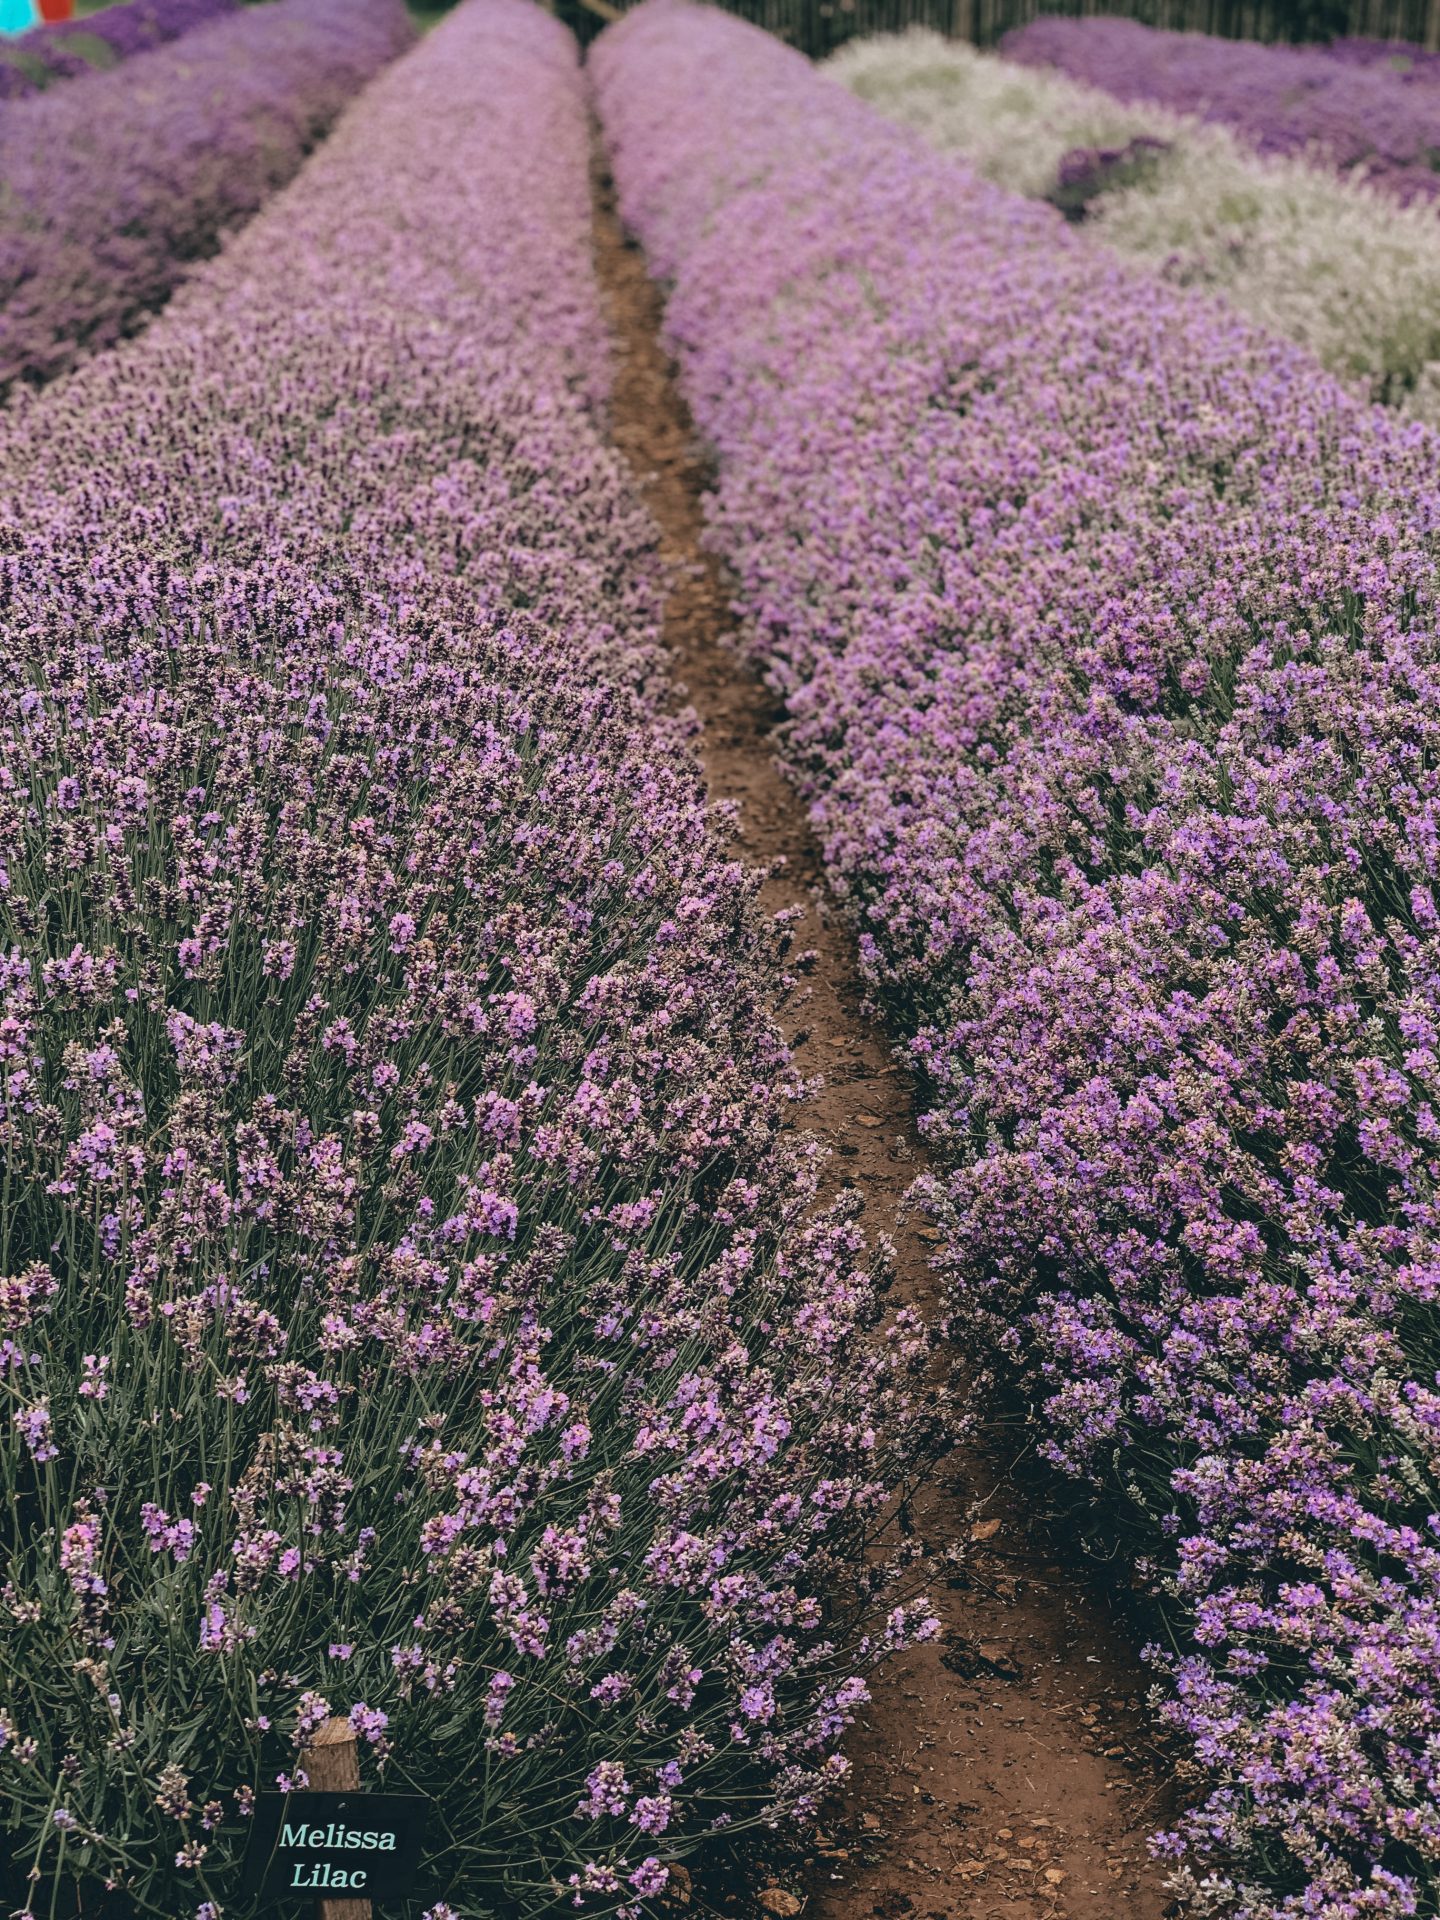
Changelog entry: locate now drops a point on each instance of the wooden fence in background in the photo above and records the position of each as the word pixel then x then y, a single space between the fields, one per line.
pixel 818 27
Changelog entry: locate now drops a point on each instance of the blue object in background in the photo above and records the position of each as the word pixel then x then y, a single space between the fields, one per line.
pixel 17 16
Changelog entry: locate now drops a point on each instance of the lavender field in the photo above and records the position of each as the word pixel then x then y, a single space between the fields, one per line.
pixel 851 1341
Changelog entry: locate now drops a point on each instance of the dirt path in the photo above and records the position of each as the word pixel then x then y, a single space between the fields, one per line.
pixel 1003 1774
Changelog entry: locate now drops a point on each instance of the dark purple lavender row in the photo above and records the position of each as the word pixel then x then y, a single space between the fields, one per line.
pixel 1353 114
pixel 1399 57
pixel 412 1303
pixel 35 60
pixel 115 185
pixel 1109 629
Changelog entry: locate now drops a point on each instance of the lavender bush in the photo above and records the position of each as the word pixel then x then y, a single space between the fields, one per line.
pixel 35 60
pixel 413 1305
pixel 115 185
pixel 1108 628
pixel 1358 115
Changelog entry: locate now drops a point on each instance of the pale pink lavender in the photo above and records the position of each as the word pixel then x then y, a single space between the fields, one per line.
pixel 33 61
pixel 1108 631
pixel 1352 113
pixel 394 1119
pixel 115 185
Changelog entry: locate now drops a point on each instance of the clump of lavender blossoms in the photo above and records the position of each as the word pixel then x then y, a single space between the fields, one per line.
pixel 412 1304
pixel 33 61
pixel 1340 104
pixel 115 185
pixel 1108 628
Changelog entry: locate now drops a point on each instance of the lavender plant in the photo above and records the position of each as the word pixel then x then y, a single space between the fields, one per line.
pixel 1107 625
pixel 63 50
pixel 413 1302
pixel 115 185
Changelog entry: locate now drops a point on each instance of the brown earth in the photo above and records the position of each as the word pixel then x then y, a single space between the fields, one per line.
pixel 1006 1772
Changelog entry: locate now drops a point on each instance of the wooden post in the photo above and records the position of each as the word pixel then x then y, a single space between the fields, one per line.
pixel 332 1765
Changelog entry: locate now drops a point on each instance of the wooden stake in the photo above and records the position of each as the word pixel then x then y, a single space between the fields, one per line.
pixel 332 1765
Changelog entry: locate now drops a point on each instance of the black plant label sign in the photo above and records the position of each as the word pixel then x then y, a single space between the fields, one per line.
pixel 311 1846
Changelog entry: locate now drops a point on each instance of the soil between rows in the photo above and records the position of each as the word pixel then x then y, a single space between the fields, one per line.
pixel 1007 1772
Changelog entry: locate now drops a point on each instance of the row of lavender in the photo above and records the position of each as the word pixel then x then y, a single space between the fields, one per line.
pixel 1108 629
pixel 69 48
pixel 412 1304
pixel 1351 104
pixel 116 184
